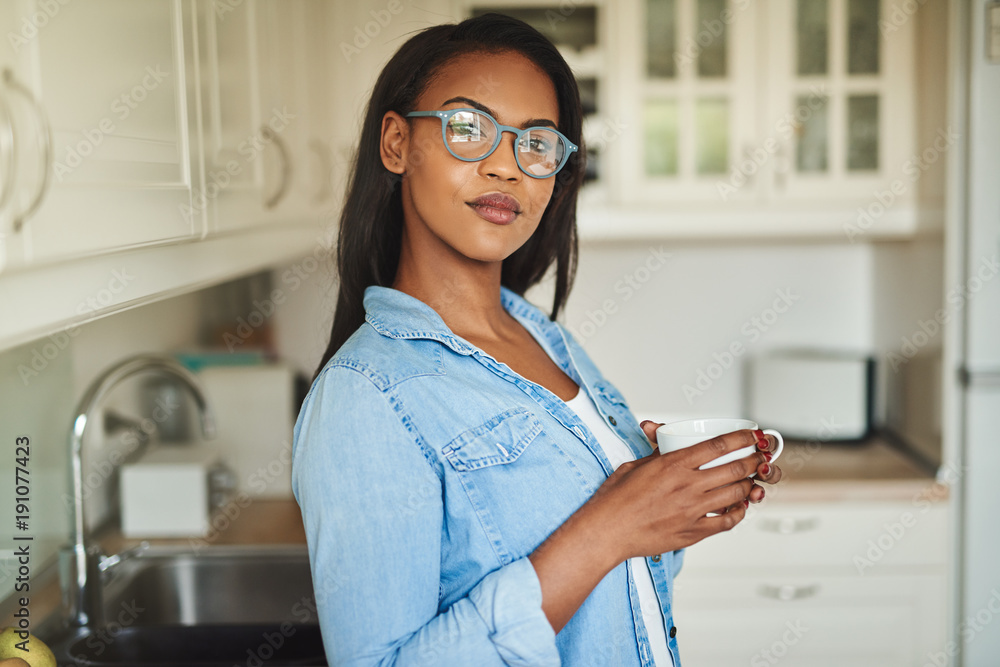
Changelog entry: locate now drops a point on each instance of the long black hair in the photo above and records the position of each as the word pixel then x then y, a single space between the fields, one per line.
pixel 371 223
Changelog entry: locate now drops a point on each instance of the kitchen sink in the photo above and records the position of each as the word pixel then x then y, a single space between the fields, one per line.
pixel 209 607
pixel 219 585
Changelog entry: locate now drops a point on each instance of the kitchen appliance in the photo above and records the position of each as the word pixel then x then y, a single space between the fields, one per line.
pixel 972 299
pixel 255 409
pixel 172 490
pixel 811 394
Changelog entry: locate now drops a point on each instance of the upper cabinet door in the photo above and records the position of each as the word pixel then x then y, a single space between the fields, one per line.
pixel 265 90
pixel 285 162
pixel 236 141
pixel 841 72
pixel 694 103
pixel 104 127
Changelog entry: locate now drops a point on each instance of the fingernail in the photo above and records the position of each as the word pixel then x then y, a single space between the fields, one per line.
pixel 765 470
pixel 761 440
pixel 643 423
pixel 768 456
pixel 746 503
pixel 761 494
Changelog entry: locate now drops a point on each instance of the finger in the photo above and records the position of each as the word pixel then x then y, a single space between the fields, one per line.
pixel 704 452
pixel 756 494
pixel 729 495
pixel 729 508
pixel 768 472
pixel 767 443
pixel 649 427
pixel 716 524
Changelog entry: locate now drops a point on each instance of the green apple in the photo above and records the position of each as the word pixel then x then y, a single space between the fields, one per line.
pixel 37 655
pixel 13 662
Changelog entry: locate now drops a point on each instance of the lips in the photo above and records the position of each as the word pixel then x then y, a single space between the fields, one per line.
pixel 496 207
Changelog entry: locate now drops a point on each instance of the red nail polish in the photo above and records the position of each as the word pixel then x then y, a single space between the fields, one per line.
pixel 746 503
pixel 761 494
pixel 765 470
pixel 768 456
pixel 761 440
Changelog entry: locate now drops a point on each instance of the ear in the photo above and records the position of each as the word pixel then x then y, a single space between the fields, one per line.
pixel 394 142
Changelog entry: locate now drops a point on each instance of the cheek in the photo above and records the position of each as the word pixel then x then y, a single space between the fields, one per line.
pixel 541 197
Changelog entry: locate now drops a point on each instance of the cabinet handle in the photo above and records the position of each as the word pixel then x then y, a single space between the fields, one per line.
pixel 44 137
pixel 7 153
pixel 787 592
pixel 326 161
pixel 788 525
pixel 286 166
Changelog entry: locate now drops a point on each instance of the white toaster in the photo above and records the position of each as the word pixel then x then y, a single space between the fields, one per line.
pixel 811 395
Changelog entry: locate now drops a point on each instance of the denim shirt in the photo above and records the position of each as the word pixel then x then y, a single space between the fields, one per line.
pixel 427 472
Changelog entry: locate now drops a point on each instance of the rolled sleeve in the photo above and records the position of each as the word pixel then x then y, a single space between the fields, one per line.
pixel 509 600
pixel 373 512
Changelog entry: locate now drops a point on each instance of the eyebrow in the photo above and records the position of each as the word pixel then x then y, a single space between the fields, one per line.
pixel 531 122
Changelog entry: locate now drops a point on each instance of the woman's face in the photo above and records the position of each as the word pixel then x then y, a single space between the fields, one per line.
pixel 439 191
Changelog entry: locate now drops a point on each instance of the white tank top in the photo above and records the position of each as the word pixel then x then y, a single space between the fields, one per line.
pixel 618 453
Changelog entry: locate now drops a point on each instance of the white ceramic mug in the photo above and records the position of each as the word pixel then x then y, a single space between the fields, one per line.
pixel 678 435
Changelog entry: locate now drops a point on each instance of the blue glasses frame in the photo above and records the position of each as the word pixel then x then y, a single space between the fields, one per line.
pixel 445 116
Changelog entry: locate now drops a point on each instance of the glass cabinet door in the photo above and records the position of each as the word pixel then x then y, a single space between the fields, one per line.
pixel 694 106
pixel 838 95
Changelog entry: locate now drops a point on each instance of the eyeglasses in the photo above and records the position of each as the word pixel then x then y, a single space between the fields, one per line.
pixel 472 135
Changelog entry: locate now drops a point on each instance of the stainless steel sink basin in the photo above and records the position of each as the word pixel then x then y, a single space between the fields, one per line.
pixel 217 585
pixel 212 607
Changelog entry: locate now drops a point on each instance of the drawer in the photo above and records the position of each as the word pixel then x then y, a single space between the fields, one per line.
pixel 813 621
pixel 862 537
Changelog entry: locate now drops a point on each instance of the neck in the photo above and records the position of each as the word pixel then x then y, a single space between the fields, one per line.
pixel 463 291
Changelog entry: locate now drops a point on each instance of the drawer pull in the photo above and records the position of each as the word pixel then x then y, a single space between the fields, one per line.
pixel 787 592
pixel 788 525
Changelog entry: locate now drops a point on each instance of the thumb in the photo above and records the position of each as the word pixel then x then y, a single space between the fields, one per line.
pixel 649 427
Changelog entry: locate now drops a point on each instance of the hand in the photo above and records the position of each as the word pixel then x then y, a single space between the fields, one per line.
pixel 659 503
pixel 765 443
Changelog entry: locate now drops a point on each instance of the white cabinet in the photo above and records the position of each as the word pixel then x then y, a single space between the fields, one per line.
pixel 794 118
pixel 104 126
pixel 790 99
pixel 818 584
pixel 179 143
pixel 266 87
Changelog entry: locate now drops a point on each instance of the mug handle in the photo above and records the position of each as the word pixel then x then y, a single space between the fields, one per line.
pixel 777 450
pixel 781 442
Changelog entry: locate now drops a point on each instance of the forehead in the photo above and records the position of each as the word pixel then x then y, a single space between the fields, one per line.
pixel 508 83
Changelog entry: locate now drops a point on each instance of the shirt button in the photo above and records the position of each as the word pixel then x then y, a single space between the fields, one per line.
pixel 655 559
pixel 612 420
pixel 673 631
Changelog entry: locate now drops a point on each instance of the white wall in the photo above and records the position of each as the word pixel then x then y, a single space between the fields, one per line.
pixel 652 322
pixel 706 298
pixel 41 383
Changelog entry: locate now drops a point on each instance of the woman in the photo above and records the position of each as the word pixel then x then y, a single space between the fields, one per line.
pixel 474 491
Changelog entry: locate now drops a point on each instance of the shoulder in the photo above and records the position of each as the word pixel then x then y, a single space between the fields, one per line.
pixel 384 361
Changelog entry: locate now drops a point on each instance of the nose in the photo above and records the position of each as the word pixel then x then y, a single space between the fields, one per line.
pixel 502 162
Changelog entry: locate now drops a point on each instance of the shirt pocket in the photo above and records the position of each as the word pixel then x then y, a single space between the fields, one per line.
pixel 517 481
pixel 499 441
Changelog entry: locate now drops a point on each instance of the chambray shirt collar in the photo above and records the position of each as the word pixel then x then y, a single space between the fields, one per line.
pixel 396 314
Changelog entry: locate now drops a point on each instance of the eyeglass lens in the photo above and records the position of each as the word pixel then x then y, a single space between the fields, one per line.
pixel 471 134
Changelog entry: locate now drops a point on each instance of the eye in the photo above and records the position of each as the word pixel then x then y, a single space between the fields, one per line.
pixel 466 127
pixel 538 142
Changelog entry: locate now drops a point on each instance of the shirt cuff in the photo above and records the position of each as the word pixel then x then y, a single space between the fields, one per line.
pixel 509 600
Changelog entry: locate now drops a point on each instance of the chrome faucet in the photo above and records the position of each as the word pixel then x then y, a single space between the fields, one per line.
pixel 83 565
